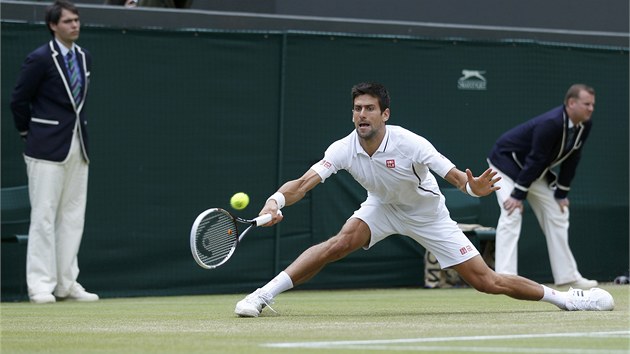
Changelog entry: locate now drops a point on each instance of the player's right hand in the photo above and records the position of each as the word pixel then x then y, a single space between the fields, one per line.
pixel 272 208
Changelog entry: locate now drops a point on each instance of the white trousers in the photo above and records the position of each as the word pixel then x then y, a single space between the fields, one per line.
pixel 554 224
pixel 58 193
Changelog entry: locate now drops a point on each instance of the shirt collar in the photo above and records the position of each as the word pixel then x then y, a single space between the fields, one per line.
pixel 63 48
pixel 381 148
pixel 569 121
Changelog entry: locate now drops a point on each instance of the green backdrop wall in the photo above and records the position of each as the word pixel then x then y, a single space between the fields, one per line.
pixel 181 120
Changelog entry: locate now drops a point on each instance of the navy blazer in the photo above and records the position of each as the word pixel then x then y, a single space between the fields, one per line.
pixel 43 107
pixel 531 150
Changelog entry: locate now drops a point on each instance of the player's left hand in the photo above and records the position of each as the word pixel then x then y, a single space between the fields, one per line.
pixel 485 183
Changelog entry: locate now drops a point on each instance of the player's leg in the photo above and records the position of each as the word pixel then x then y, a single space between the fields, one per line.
pixel 476 273
pixel 366 227
pixel 453 249
pixel 353 235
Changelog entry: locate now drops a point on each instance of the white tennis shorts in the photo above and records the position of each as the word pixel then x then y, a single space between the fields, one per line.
pixel 440 236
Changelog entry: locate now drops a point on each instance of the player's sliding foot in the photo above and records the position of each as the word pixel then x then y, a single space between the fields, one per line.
pixel 252 304
pixel 595 299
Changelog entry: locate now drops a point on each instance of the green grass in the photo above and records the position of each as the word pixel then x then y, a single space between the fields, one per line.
pixel 439 320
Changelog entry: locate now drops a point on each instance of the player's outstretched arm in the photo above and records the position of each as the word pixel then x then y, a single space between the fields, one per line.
pixel 296 189
pixel 292 192
pixel 475 186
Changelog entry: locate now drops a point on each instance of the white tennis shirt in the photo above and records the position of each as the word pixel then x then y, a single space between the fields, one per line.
pixel 398 173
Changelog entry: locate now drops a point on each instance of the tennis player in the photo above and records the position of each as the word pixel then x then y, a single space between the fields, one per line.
pixel 394 165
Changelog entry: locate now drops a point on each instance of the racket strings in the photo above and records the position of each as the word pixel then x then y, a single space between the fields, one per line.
pixel 216 238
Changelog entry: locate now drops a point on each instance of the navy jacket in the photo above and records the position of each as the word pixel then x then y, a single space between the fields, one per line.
pixel 43 107
pixel 533 150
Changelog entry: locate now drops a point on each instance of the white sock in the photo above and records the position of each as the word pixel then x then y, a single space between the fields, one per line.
pixel 282 282
pixel 555 297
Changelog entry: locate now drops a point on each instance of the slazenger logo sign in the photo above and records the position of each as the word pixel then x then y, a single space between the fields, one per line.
pixel 472 80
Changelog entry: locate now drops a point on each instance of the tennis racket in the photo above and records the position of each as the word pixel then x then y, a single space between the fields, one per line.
pixel 215 235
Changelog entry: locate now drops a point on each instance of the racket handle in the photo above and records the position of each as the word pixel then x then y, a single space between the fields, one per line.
pixel 263 219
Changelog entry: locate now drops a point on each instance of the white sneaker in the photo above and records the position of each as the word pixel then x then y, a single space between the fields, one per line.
pixel 252 304
pixel 595 299
pixel 43 298
pixel 78 293
pixel 582 283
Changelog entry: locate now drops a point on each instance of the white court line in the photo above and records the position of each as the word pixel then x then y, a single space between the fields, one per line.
pixel 397 344
pixel 467 349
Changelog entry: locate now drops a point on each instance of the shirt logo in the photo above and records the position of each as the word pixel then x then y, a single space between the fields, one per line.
pixel 465 250
pixel 472 80
pixel 390 163
pixel 325 164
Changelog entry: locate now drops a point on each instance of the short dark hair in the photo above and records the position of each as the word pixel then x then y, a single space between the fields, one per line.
pixel 53 12
pixel 575 89
pixel 373 89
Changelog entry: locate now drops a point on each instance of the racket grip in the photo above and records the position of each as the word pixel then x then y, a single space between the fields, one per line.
pixel 263 219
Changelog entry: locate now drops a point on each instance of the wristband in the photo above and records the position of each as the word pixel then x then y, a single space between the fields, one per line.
pixel 279 198
pixel 470 192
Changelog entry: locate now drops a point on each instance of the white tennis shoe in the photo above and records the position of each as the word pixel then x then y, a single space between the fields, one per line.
pixel 595 299
pixel 253 304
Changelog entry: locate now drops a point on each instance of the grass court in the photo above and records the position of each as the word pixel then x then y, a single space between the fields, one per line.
pixel 338 321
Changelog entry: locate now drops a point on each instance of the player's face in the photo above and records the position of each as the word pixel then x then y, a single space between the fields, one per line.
pixel 368 119
pixel 581 108
pixel 68 28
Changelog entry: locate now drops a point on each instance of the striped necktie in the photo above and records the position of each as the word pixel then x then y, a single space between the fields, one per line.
pixel 75 80
pixel 570 135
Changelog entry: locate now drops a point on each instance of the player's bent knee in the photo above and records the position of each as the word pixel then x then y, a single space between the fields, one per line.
pixel 339 246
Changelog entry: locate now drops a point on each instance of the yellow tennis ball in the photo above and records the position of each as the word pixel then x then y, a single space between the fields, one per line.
pixel 239 201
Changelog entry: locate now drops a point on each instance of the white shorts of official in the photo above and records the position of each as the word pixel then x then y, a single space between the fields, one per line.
pixel 441 236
